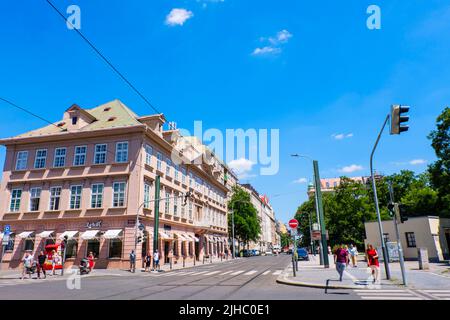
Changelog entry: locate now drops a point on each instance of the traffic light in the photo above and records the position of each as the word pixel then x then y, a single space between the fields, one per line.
pixel 398 117
pixel 391 209
pixel 402 212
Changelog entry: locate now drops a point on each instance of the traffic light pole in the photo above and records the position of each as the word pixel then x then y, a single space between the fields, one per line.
pixel 324 249
pixel 156 225
pixel 377 208
pixel 397 233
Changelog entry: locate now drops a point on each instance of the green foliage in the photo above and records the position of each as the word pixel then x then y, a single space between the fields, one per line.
pixel 285 240
pixel 247 224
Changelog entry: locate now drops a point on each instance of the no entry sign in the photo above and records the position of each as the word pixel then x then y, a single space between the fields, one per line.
pixel 293 224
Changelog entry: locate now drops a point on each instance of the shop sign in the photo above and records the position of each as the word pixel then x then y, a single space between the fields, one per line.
pixel 94 224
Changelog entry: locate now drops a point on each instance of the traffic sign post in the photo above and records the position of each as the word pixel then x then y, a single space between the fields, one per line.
pixel 293 224
pixel 5 241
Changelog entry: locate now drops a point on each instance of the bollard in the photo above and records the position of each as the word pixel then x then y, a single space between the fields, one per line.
pixel 293 265
pixel 296 264
pixel 183 262
pixel 170 260
pixel 203 259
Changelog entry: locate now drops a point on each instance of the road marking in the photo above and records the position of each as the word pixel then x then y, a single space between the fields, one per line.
pixel 266 272
pixel 211 273
pixel 237 272
pixel 389 298
pixel 251 272
pixel 278 272
pixel 379 291
pixel 438 291
pixel 226 272
pixel 201 272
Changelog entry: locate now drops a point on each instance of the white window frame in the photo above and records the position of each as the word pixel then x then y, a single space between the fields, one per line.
pixel 74 198
pixel 177 169
pixel 100 153
pixel 147 188
pixel 22 162
pixel 53 197
pixel 175 204
pixel 183 175
pixel 79 155
pixel 168 166
pixel 148 154
pixel 167 203
pixel 121 152
pixel 159 159
pixel 40 159
pixel 121 195
pixel 95 196
pixel 15 202
pixel 35 193
pixel 59 161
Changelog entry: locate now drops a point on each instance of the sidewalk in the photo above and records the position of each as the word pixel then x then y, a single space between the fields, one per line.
pixel 311 274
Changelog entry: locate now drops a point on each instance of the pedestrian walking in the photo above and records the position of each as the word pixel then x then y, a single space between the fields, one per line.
pixel 27 265
pixel 372 262
pixel 348 253
pixel 91 261
pixel 156 260
pixel 340 260
pixel 147 261
pixel 42 258
pixel 132 261
pixel 353 252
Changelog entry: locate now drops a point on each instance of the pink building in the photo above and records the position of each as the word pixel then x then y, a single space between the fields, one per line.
pixel 90 174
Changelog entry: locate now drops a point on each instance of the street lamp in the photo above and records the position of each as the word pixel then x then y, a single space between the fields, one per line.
pixel 319 210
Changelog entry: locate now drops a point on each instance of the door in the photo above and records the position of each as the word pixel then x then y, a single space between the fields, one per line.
pixel 166 251
pixel 447 238
pixel 197 250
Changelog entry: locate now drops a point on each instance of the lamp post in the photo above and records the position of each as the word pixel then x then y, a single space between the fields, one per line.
pixel 319 210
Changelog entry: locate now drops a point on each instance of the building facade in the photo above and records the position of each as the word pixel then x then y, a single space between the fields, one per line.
pixel 330 184
pixel 90 175
pixel 428 232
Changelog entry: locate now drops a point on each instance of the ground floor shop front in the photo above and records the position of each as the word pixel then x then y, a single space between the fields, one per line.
pixel 111 240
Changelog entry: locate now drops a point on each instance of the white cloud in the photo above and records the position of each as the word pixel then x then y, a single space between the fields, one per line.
pixel 242 167
pixel 351 168
pixel 341 136
pixel 300 180
pixel 266 51
pixel 178 17
pixel 417 162
pixel 282 36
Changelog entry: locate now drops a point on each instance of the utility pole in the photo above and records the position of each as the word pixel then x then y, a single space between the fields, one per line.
pixel 232 231
pixel 399 244
pixel 377 208
pixel 310 235
pixel 156 220
pixel 324 248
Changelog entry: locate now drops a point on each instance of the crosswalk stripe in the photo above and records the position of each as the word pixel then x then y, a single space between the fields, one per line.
pixel 389 298
pixel 251 272
pixel 278 272
pixel 266 272
pixel 227 272
pixel 374 294
pixel 237 272
pixel 437 291
pixel 379 291
pixel 211 273
pixel 443 295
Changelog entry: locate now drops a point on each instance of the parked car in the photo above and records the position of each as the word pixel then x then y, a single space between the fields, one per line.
pixel 268 253
pixel 302 254
pixel 246 253
pixel 256 252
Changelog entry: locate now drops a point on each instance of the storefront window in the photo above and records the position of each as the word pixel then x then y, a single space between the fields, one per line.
pixel 29 244
pixel 191 244
pixel 176 248
pixel 115 248
pixel 10 245
pixel 49 241
pixel 94 247
pixel 183 249
pixel 71 249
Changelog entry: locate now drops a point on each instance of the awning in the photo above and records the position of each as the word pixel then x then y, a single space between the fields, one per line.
pixel 25 234
pixel 90 234
pixel 2 234
pixel 163 235
pixel 46 234
pixel 112 234
pixel 180 236
pixel 196 239
pixel 211 239
pixel 70 234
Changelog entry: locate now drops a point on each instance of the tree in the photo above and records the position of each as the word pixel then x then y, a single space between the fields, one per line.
pixel 247 225
pixel 440 170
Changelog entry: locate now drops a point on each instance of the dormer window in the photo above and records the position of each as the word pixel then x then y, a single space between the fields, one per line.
pixel 74 120
pixel 107 109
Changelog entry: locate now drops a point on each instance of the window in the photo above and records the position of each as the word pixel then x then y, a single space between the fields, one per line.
pixel 191 178
pixel 71 249
pixel 167 204
pixel 328 185
pixel 410 239
pixel 29 244
pixel 148 154
pixel 183 211
pixel 80 156
pixel 93 246
pixel 191 244
pixel 41 157
pixel 176 251
pixel 55 195
pixel 121 151
pixel 183 175
pixel 60 157
pixel 190 210
pixel 11 242
pixel 75 197
pixel 118 194
pixel 74 120
pixel 335 184
pixel 100 154
pixel 146 195
pixel 168 165
pixel 175 204
pixel 183 249
pixel 158 161
pixel 35 198
pixel 115 248
pixel 97 195
pixel 177 168
pixel 22 159
pixel 16 194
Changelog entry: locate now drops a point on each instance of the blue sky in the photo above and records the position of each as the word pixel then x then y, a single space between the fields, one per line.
pixel 319 74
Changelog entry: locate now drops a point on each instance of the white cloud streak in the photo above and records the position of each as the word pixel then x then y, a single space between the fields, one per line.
pixel 178 16
pixel 351 168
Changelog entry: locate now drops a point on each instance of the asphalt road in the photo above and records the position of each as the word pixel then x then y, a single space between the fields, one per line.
pixel 251 278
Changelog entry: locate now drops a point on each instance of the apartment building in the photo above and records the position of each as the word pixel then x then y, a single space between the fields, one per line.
pixel 330 184
pixel 89 175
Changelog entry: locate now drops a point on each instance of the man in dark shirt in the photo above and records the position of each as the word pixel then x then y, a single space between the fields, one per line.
pixel 40 265
pixel 341 260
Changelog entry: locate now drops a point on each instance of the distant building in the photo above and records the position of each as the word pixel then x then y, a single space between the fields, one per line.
pixel 428 232
pixel 330 184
